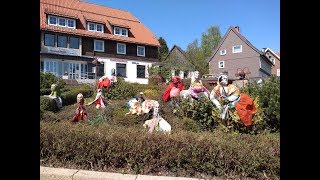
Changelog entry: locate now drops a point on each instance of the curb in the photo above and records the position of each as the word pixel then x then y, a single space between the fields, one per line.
pixel 49 173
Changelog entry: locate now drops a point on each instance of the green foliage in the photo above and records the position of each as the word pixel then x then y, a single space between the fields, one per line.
pixel 163 50
pixel 70 97
pixel 197 58
pixel 122 90
pixel 47 79
pixel 269 99
pixel 133 150
pixel 155 79
pixel 210 40
pixel 47 104
pixel 105 116
pixel 199 111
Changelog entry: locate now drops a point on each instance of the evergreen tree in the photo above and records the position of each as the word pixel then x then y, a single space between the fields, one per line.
pixel 163 49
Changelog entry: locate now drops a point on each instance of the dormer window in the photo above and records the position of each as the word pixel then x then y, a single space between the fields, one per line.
pixel 95 27
pixel 120 31
pixel 61 21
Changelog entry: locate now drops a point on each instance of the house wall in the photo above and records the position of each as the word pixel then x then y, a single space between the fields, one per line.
pixel 247 58
pixel 59 50
pixel 151 52
pixel 131 68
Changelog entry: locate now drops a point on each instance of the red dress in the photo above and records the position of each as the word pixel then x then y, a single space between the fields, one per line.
pixel 81 113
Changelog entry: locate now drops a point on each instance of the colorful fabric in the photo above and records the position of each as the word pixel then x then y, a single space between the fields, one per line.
pixel 105 82
pixel 245 108
pixel 81 113
pixel 176 82
pixel 140 108
pixel 196 89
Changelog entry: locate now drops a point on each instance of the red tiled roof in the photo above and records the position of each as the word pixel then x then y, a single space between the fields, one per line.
pixel 96 13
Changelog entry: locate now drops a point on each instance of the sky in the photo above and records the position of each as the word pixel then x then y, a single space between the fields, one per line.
pixel 180 22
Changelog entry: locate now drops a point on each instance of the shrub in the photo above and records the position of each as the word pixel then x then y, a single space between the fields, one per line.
pixel 45 91
pixel 269 99
pixel 200 111
pixel 129 150
pixel 155 79
pixel 47 104
pixel 47 79
pixel 122 90
pixel 70 97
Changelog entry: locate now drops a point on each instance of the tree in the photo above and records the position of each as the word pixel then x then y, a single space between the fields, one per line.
pixel 196 57
pixel 163 49
pixel 210 40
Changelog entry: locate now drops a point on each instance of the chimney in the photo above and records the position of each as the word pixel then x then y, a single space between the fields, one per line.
pixel 237 28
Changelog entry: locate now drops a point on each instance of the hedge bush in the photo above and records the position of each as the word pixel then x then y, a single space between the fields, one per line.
pixel 47 79
pixel 70 97
pixel 268 93
pixel 133 150
pixel 47 104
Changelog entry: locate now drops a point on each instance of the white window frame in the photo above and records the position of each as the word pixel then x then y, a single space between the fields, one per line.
pixel 125 48
pixel 66 22
pixel 223 52
pixel 94 45
pixel 278 72
pixel 120 31
pixel 95 27
pixel 223 64
pixel 144 51
pixel 233 49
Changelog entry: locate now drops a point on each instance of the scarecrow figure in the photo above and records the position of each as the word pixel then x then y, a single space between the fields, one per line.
pixel 55 95
pixel 107 81
pixel 227 96
pixel 173 90
pixel 157 122
pixel 81 113
pixel 99 101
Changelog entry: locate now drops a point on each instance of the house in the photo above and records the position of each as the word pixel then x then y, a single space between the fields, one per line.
pixel 235 55
pixel 76 34
pixel 275 59
pixel 178 60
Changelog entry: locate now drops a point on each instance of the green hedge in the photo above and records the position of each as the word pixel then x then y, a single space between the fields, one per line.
pixel 133 150
pixel 47 104
pixel 70 97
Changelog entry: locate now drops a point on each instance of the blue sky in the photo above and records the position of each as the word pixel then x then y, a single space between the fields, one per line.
pixel 180 22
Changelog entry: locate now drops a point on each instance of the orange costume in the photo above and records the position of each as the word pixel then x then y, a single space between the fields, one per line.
pixel 240 101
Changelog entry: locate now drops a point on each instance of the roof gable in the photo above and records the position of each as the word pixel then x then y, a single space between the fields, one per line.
pixel 240 36
pixel 273 53
pixel 184 58
pixel 86 11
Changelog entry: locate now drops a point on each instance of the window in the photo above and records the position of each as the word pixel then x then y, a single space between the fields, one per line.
pixel 278 72
pixel 98 45
pixel 140 51
pixel 49 40
pixel 62 41
pixel 120 31
pixel 99 28
pixel 52 20
pixel 74 42
pixel 121 48
pixel 121 70
pixel 71 23
pixel 237 49
pixel 124 32
pixel 221 64
pixel 95 27
pixel 223 52
pixel 62 22
pixel 141 71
